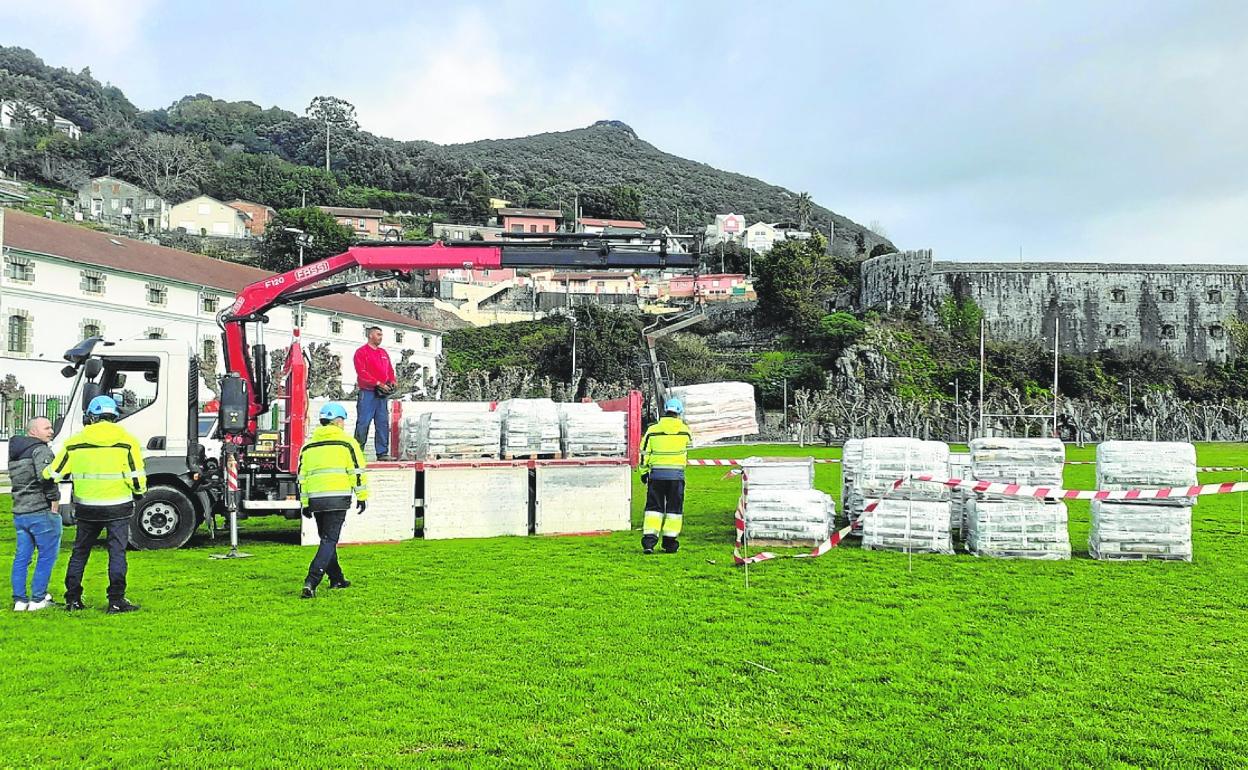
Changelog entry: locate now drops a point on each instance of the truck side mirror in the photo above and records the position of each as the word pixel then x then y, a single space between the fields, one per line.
pixel 94 367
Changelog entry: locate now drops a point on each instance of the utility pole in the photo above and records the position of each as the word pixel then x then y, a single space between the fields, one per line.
pixel 327 141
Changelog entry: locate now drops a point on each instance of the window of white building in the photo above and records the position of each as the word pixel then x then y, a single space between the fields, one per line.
pixel 90 327
pixel 19 268
pixel 335 325
pixel 92 281
pixel 157 294
pixel 19 332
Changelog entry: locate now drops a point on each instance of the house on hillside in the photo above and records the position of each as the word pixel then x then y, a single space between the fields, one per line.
pixel 451 232
pixel 11 110
pixel 711 287
pixel 621 227
pixel 514 220
pixel 206 215
pixel 727 228
pixel 118 203
pixel 365 223
pixel 585 283
pixel 62 283
pixel 258 215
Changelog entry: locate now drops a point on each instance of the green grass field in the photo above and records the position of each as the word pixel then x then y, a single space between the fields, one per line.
pixel 579 651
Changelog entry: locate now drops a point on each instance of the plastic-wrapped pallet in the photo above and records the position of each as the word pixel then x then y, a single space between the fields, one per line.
pixel 451 435
pixel 450 414
pixel 913 517
pixel 718 410
pixel 884 460
pixel 1018 528
pixel 781 503
pixel 1143 529
pixel 916 526
pixel 851 459
pixel 1027 461
pixel 772 513
pixel 959 468
pixel 1129 530
pixel 530 427
pixel 588 431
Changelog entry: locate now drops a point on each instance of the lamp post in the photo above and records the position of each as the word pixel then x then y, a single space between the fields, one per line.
pixel 957 422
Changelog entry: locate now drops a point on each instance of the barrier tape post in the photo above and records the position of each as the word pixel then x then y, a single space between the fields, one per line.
pixel 231 507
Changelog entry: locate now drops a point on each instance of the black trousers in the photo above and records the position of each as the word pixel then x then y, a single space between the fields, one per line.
pixel 325 562
pixel 88 533
pixel 666 495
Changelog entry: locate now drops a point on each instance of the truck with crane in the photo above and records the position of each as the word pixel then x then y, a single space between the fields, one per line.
pixel 156 382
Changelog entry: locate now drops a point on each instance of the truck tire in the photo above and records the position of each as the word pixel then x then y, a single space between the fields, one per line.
pixel 164 518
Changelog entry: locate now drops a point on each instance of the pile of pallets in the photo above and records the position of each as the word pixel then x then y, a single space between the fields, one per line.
pixel 1143 529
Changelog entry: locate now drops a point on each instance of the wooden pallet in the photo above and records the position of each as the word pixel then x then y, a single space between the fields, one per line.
pixel 764 542
pixel 461 456
pixel 533 456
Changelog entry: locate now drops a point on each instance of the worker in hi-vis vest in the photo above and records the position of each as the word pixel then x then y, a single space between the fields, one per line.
pixel 663 455
pixel 331 468
pixel 106 465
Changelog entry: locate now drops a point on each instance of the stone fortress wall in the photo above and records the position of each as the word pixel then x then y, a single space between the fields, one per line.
pixel 1180 308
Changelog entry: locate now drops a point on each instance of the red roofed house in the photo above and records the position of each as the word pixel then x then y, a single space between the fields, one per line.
pixel 257 214
pixel 62 283
pixel 530 220
pixel 613 226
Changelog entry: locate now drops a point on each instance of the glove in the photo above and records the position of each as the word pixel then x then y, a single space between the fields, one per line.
pixel 361 506
pixel 307 513
pixel 385 389
pixel 645 477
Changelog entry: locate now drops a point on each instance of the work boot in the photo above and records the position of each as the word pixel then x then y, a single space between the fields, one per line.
pixel 308 592
pixel 116 607
pixel 648 542
pixel 344 583
pixel 670 545
pixel 73 605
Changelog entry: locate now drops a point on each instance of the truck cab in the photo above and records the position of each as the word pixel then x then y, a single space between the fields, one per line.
pixel 155 383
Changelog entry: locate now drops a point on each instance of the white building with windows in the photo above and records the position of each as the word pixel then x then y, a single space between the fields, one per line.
pixel 62 283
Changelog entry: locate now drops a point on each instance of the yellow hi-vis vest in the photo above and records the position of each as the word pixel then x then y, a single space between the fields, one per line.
pixel 331 464
pixel 666 444
pixel 105 463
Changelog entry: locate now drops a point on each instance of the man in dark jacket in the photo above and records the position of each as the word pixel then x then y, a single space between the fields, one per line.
pixel 35 517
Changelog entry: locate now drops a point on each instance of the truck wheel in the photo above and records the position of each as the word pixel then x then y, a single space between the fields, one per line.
pixel 164 518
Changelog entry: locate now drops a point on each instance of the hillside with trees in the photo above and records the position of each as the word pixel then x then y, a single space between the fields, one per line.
pixel 278 157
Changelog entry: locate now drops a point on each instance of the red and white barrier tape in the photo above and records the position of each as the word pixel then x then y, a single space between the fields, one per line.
pixel 817 460
pixel 739 560
pixel 837 461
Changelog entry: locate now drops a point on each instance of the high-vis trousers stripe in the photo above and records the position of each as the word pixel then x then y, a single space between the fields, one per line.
pixel 652 523
pixel 671 524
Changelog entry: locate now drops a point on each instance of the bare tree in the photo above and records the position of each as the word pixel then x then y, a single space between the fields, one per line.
pixel 170 166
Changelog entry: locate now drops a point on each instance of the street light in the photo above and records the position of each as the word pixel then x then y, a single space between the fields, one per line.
pixel 301 238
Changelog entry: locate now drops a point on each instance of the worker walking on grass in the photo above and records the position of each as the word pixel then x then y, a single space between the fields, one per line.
pixel 331 468
pixel 664 452
pixel 106 465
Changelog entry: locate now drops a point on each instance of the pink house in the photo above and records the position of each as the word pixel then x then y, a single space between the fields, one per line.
pixel 710 287
pixel 530 220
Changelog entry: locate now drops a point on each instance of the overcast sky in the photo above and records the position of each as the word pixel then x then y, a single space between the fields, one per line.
pixel 1091 131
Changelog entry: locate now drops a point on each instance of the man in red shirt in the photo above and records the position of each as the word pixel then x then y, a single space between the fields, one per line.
pixel 375 380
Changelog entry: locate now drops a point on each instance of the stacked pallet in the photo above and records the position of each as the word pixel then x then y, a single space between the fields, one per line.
pixel 587 431
pixel 913 517
pixel 959 498
pixel 530 427
pixel 451 435
pixel 1013 527
pixel 718 410
pixel 781 505
pixel 851 459
pixel 1143 529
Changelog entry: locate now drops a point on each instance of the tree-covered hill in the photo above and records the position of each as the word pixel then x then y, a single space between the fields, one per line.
pixel 275 156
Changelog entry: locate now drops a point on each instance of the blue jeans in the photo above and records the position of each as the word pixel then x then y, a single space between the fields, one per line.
pixel 88 532
pixel 325 561
pixel 35 531
pixel 375 409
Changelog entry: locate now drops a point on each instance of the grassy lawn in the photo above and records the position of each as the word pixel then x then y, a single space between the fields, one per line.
pixel 580 651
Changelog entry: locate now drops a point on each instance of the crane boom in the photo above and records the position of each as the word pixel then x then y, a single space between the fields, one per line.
pixel 400 259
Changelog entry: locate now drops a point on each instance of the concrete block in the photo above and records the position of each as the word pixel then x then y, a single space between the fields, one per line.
pixel 391 513
pixel 484 501
pixel 583 498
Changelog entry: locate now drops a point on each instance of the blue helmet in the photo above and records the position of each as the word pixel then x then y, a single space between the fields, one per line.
pixel 674 405
pixel 101 406
pixel 332 411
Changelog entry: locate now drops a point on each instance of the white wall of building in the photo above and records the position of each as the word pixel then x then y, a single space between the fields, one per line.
pixel 58 308
pixel 208 216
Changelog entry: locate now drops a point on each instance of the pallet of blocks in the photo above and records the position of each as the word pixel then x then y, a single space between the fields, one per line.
pixel 587 431
pixel 913 517
pixel 780 504
pixel 449 430
pixel 530 428
pixel 1143 529
pixel 718 410
pixel 959 468
pixel 851 458
pixel 1017 527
